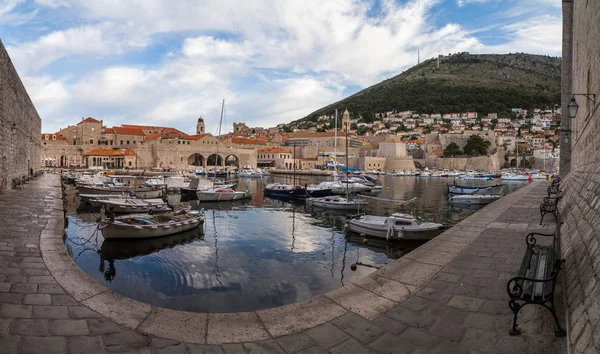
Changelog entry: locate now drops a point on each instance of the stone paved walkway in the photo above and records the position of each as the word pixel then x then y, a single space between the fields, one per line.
pixel 453 294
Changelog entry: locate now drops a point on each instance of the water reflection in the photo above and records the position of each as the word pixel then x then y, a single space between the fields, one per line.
pixel 252 254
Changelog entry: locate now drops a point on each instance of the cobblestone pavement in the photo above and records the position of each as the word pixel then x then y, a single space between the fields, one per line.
pixel 461 306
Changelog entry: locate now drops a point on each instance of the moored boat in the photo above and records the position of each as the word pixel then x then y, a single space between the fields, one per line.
pixel 474 199
pixel 337 203
pixel 131 205
pixel 149 225
pixel 221 194
pixel 397 226
pixel 460 189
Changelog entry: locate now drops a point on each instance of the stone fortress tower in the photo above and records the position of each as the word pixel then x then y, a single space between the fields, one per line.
pixel 345 121
pixel 200 126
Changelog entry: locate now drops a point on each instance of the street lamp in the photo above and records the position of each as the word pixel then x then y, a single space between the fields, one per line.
pixel 573 106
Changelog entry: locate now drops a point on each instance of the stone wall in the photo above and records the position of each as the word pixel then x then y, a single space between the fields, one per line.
pixel 580 206
pixel 20 126
pixel 487 163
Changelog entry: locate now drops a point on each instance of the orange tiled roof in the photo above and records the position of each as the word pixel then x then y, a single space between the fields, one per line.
pixel 110 131
pixel 149 127
pixel 128 130
pixel 91 120
pixel 301 135
pixel 246 141
pixel 274 149
pixel 110 152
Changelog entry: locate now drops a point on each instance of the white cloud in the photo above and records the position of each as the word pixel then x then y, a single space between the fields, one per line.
pixel 7 6
pixel 50 97
pixel 273 61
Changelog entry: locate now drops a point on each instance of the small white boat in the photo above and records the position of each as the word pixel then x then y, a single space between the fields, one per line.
pixel 131 205
pixel 250 173
pixel 478 199
pixel 395 227
pixel 343 187
pixel 337 203
pixel 142 192
pixel 148 226
pixel 425 174
pixel 221 195
pixel 458 189
pixel 515 177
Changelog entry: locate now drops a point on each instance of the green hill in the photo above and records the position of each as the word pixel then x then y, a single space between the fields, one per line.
pixel 463 82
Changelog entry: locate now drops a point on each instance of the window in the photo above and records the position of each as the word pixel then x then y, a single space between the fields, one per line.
pixel 99 142
pixel 129 163
pixel 182 159
pixel 44 143
pixel 134 141
pixel 188 143
pixel 91 141
pixel 179 142
pixel 127 142
pixel 111 142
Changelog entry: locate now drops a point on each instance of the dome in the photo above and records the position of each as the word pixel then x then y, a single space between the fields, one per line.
pixel 200 120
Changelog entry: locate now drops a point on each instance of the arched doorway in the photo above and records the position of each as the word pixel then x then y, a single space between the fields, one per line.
pixel 196 160
pixel 232 160
pixel 214 160
pixel 513 163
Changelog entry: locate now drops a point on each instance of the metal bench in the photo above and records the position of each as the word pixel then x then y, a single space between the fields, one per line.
pixel 535 282
pixel 550 206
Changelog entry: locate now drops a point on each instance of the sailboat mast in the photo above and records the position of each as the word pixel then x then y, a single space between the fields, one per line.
pixel 294 162
pixel 219 134
pixel 347 171
pixel 335 143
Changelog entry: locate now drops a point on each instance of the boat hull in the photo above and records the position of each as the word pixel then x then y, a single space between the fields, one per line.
pixel 133 206
pixel 474 199
pixel 398 234
pixel 146 193
pixel 471 190
pixel 128 231
pixel 204 196
pixel 350 206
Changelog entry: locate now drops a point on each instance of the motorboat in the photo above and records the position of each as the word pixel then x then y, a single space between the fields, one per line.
pixel 474 199
pixel 141 191
pixel 216 173
pixel 425 174
pixel 131 205
pixel 148 225
pixel 461 189
pixel 337 203
pixel 365 180
pixel 298 192
pixel 475 178
pixel 343 187
pixel 515 177
pixel 218 194
pixel 251 173
pixel 397 226
pixel 172 183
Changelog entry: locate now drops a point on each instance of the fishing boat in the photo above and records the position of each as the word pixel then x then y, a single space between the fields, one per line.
pixel 249 172
pixel 515 177
pixel 474 199
pixel 141 191
pixel 461 189
pixel 131 205
pixel 337 203
pixel 221 194
pixel 149 225
pixel 282 190
pixel 398 226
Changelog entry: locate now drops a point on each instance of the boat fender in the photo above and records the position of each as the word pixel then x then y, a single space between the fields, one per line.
pixel 365 240
pixel 353 266
pixel 129 221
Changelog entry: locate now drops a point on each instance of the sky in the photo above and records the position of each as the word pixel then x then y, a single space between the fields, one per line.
pixel 168 62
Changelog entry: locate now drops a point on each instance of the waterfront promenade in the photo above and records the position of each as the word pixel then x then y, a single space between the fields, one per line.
pixel 448 296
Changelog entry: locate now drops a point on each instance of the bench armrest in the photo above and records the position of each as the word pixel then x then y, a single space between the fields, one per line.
pixel 530 240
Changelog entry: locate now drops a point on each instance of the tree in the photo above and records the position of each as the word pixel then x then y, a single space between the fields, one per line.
pixel 476 146
pixel 452 150
pixel 287 129
pixel 353 126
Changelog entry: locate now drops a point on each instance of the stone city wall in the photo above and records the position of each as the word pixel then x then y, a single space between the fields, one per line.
pixel 20 127
pixel 580 206
pixel 487 163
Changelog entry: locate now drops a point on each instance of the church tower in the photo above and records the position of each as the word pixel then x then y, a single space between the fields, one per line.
pixel 346 121
pixel 200 126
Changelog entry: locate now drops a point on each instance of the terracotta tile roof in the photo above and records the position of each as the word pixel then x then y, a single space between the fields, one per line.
pixel 275 149
pixel 58 136
pixel 110 152
pixel 128 131
pixel 302 135
pixel 91 120
pixel 110 131
pixel 149 127
pixel 200 136
pixel 154 136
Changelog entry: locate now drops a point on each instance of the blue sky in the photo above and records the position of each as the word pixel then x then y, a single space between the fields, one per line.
pixel 166 62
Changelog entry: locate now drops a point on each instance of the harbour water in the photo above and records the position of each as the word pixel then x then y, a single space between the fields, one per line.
pixel 253 254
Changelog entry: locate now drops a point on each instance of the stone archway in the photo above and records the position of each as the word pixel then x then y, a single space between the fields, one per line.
pixel 214 160
pixel 196 159
pixel 232 160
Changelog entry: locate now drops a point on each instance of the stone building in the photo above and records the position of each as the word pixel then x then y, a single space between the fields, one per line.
pixel 580 168
pixel 90 144
pixel 20 127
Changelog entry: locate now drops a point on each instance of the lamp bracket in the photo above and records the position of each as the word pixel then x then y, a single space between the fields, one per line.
pixel 589 96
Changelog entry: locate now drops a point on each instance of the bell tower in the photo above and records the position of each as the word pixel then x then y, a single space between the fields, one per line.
pixel 200 126
pixel 346 120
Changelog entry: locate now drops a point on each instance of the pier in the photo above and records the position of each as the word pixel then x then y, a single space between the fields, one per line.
pixel 447 296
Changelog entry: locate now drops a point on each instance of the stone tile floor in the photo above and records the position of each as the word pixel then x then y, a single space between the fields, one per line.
pixel 461 306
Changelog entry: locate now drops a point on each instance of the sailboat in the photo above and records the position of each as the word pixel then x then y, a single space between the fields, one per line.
pixel 338 203
pixel 220 193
